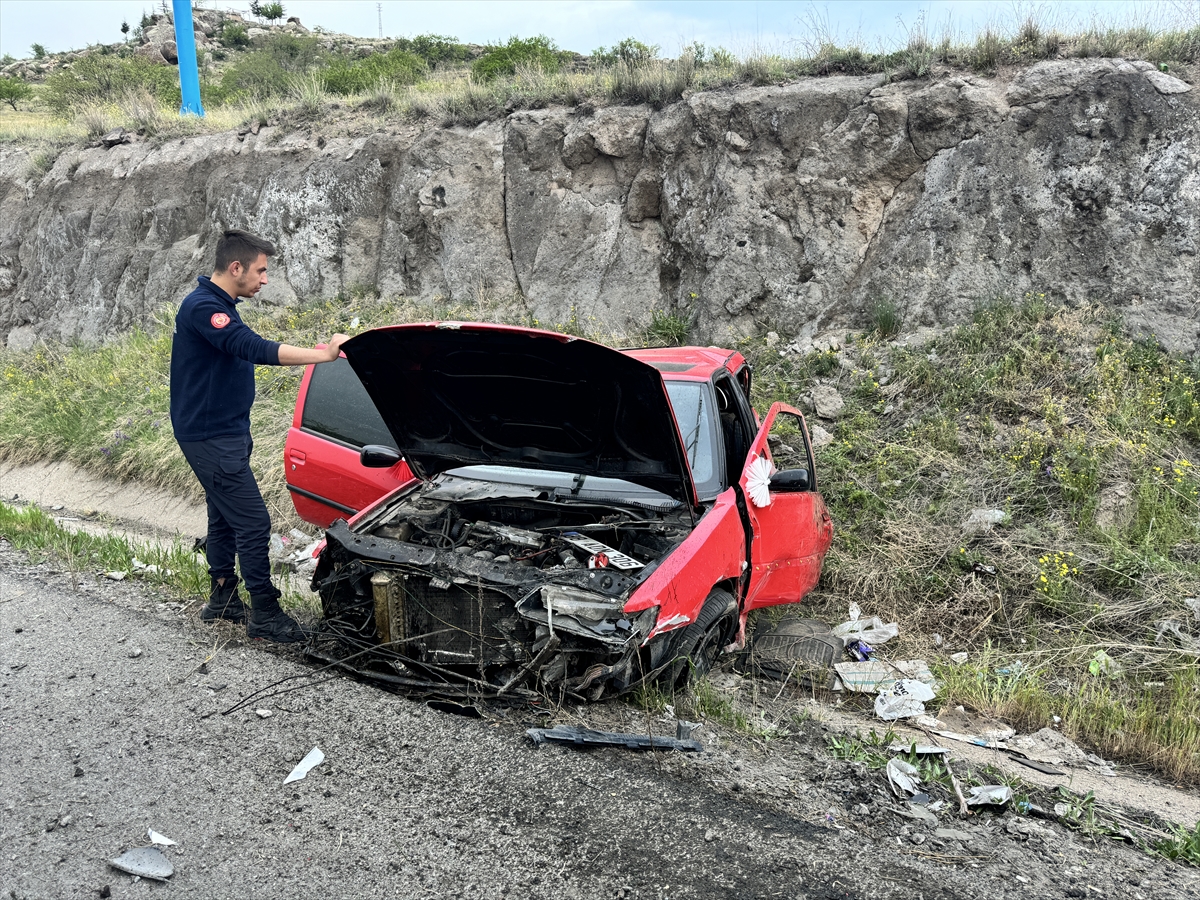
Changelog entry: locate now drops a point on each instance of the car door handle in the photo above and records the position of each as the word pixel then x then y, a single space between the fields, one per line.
pixel 297 455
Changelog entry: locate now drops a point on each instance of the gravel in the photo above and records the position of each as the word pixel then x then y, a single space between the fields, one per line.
pixel 101 743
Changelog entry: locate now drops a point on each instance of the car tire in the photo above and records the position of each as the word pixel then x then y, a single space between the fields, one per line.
pixel 699 644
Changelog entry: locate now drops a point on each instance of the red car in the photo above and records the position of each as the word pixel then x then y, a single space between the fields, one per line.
pixel 568 518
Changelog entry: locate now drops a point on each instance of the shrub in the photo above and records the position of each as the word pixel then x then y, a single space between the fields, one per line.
pixel 13 90
pixel 658 83
pixel 234 35
pixel 503 59
pixel 630 51
pixel 39 52
pixel 435 48
pixel 96 79
pixel 269 70
pixel 355 76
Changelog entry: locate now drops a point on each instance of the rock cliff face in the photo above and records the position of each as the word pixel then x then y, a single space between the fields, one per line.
pixel 792 208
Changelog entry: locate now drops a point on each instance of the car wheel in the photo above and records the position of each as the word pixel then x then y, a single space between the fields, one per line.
pixel 699 644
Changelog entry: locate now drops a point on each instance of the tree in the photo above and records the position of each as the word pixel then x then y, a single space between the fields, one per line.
pixel 39 52
pixel 125 28
pixel 272 12
pixel 14 89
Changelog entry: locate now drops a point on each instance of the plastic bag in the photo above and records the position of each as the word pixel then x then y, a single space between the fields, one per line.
pixel 870 631
pixel 904 699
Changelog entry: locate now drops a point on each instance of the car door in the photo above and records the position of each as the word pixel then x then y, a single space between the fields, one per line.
pixel 792 530
pixel 334 418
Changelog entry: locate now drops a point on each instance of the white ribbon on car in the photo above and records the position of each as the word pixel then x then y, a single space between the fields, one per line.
pixel 758 481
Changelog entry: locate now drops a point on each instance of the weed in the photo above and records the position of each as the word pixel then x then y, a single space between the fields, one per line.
pixel 503 59
pixel 667 328
pixel 885 317
pixel 1182 846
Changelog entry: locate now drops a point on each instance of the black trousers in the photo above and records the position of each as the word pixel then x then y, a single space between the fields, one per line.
pixel 238 521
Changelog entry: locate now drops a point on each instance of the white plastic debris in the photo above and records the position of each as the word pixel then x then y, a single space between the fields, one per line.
pixel 871 631
pixel 758 481
pixel 116 576
pixel 904 777
pixel 855 611
pixel 872 675
pixel 315 758
pixel 144 862
pixel 958 658
pixel 989 795
pixel 1193 603
pixel 141 568
pixel 904 699
pixel 1103 664
pixel 160 839
pixel 983 519
pixel 264 713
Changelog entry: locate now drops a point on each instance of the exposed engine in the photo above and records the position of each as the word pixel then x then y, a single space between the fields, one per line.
pixel 500 593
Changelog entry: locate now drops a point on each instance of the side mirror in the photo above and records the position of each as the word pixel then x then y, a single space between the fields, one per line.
pixel 379 456
pixel 790 481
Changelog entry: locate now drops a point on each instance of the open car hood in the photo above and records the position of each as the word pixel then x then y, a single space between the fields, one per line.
pixel 455 394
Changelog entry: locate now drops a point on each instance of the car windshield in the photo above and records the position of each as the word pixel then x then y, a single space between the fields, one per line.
pixel 693 406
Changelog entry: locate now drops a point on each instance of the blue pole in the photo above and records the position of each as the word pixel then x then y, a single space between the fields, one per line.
pixel 185 46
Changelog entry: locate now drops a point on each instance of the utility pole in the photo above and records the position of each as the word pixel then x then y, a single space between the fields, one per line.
pixel 185 43
pixel 379 9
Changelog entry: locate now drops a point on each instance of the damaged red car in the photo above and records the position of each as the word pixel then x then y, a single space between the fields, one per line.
pixel 569 519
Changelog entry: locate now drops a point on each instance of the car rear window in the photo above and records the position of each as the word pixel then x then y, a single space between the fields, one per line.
pixel 337 406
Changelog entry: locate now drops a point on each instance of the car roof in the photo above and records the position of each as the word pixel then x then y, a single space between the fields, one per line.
pixel 689 363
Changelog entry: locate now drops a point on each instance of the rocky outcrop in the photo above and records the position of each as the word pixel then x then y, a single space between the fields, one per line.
pixel 793 208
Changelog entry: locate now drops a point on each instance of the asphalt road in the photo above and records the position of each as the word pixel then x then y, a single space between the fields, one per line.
pixel 109 726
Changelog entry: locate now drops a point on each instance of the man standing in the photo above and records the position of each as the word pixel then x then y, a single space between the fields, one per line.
pixel 213 356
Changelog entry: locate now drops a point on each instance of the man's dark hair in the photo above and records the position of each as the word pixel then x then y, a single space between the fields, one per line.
pixel 240 246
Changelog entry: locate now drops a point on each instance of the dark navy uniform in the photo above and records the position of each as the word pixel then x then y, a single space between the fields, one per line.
pixel 213 355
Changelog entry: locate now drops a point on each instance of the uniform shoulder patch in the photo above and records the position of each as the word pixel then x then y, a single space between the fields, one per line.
pixel 219 320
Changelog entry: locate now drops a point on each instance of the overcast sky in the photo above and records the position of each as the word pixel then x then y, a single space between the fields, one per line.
pixel 583 25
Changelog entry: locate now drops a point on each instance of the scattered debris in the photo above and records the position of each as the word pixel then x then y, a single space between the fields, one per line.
pixel 135 652
pixel 989 795
pixel 905 698
pixel 116 576
pixel 958 658
pixel 144 862
pixel 263 713
pixel 580 736
pixel 1103 664
pixel 919 749
pixel 315 758
pixel 903 777
pixel 981 569
pixel 872 675
pixel 161 839
pixel 1193 603
pixel 873 631
pixel 141 568
pixel 983 519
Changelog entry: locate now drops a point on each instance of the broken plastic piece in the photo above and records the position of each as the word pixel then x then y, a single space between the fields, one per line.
pixel 989 795
pixel 156 838
pixel 918 749
pixel 144 862
pixel 758 481
pixel 315 758
pixel 685 730
pixel 904 777
pixel 582 737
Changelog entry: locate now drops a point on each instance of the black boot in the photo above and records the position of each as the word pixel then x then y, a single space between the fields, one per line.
pixel 224 602
pixel 270 623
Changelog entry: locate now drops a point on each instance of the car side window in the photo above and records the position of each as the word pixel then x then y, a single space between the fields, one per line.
pixel 789 447
pixel 337 406
pixel 737 425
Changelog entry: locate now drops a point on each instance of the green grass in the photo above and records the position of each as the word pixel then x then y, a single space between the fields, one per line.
pixel 1039 412
pixel 181 571
pixel 436 78
pixel 1032 409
